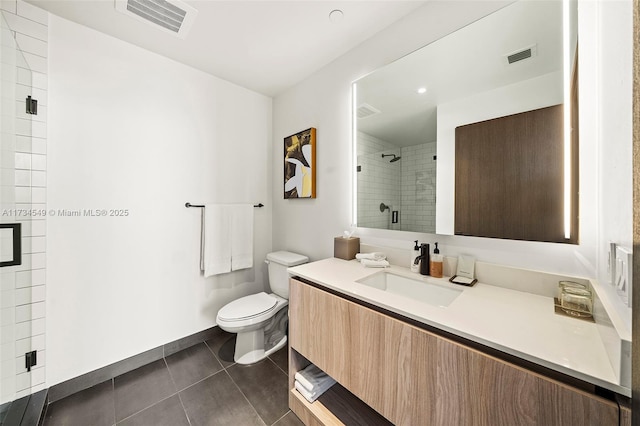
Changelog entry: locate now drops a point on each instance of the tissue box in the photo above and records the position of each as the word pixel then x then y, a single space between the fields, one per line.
pixel 346 248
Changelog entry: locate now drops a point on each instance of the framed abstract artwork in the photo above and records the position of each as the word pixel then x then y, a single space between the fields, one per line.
pixel 300 165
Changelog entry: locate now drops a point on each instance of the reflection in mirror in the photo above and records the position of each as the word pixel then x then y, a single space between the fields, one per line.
pixel 405 113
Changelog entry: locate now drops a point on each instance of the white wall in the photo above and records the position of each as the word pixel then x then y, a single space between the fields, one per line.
pixel 133 130
pixel 323 101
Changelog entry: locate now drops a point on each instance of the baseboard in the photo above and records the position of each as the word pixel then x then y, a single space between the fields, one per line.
pixel 85 381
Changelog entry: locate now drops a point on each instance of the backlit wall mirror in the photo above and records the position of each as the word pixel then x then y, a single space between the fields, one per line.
pixel 517 59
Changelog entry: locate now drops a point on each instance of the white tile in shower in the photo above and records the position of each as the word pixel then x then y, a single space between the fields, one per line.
pixel 39 146
pixel 22 161
pixel 34 343
pixel 23 127
pixel 23 144
pixel 38 227
pixel 30 311
pixel 38 178
pixel 9 6
pixel 29 295
pixel 26 26
pixel 38 276
pixel 8 300
pixel 32 45
pixel 22 194
pixel 40 81
pixel 23 279
pixel 40 94
pixel 38 129
pixel 38 195
pixel 38 261
pixel 38 162
pixel 32 12
pixel 7 281
pixel 21 178
pixel 37 244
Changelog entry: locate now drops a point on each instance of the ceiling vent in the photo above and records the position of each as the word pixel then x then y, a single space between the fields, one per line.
pixel 521 55
pixel 171 16
pixel 366 111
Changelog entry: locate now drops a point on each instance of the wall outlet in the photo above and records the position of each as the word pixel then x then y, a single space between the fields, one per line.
pixel 623 274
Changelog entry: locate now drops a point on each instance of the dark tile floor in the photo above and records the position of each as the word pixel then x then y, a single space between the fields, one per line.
pixel 200 385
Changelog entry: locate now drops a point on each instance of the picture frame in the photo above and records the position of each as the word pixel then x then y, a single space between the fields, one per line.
pixel 300 165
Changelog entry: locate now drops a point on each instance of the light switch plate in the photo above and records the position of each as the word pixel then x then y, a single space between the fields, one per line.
pixel 623 274
pixel 611 263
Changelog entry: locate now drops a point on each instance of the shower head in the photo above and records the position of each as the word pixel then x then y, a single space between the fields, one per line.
pixel 394 159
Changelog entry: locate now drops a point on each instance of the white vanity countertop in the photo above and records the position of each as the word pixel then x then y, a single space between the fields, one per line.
pixel 515 322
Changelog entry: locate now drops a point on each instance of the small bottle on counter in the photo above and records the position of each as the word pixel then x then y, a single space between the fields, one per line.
pixel 437 263
pixel 414 254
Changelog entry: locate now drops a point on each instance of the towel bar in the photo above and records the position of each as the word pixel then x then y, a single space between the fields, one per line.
pixel 187 205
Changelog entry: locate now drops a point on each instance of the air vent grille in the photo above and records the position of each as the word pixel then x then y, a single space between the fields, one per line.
pixel 159 12
pixel 366 110
pixel 521 54
pixel 171 15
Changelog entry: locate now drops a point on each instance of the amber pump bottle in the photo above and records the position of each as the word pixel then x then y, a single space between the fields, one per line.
pixel 437 263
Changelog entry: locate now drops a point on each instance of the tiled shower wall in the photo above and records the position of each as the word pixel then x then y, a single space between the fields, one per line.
pixel 23 286
pixel 378 182
pixel 407 185
pixel 419 188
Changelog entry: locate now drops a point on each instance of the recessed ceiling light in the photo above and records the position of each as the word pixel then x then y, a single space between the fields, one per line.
pixel 336 16
pixel 422 90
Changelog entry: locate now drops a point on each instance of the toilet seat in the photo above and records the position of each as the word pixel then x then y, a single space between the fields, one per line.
pixel 248 307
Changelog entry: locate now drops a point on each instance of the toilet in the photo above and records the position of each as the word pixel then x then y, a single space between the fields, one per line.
pixel 261 319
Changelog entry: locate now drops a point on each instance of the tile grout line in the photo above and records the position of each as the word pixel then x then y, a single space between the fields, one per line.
pixel 245 397
pixel 113 389
pixel 283 416
pixel 145 408
pixel 184 409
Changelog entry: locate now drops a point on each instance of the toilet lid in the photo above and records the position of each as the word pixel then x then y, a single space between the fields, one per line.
pixel 247 307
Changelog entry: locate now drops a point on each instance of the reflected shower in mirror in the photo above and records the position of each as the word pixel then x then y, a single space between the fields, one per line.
pixel 406 113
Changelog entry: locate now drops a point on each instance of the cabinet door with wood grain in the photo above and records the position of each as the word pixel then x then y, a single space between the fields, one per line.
pixel 319 329
pixel 477 389
pixel 393 367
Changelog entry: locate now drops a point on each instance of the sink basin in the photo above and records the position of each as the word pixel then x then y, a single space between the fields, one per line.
pixel 413 288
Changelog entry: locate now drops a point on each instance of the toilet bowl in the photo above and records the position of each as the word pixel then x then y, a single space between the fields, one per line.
pixel 261 319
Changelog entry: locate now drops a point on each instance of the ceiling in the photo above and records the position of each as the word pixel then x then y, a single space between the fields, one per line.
pixel 266 46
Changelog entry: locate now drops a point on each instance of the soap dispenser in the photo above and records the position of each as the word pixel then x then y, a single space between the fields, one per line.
pixel 415 253
pixel 437 263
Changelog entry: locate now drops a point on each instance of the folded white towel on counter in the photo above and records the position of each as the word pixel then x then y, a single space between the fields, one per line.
pixel 311 377
pixel 371 256
pixel 312 396
pixel 374 263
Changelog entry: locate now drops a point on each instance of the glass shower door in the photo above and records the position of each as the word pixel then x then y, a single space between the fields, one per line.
pixel 15 205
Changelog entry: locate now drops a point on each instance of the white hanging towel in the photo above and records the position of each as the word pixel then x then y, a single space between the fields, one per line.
pixel 241 236
pixel 215 253
pixel 227 238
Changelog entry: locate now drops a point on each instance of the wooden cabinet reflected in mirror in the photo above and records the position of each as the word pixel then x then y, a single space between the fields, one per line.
pixel 510 176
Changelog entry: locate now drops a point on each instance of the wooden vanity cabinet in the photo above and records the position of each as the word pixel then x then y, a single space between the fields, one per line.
pixel 414 377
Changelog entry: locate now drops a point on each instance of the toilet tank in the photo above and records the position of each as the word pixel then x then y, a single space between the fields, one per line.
pixel 278 262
